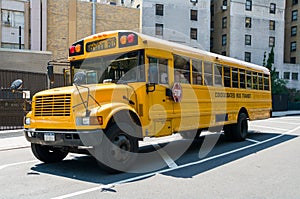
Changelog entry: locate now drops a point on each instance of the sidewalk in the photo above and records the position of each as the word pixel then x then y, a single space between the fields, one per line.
pixel 12 139
pixel 284 113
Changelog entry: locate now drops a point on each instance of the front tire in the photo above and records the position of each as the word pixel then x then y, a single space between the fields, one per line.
pixel 118 150
pixel 47 154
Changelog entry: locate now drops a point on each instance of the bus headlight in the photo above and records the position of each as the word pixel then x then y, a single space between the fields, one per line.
pixel 27 120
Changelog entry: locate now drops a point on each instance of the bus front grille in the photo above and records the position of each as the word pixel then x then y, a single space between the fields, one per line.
pixel 53 105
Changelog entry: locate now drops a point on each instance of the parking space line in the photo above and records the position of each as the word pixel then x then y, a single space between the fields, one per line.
pixel 98 188
pixel 251 140
pixel 16 164
pixel 268 127
pixel 170 162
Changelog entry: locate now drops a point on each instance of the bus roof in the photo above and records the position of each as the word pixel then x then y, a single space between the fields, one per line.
pixel 153 42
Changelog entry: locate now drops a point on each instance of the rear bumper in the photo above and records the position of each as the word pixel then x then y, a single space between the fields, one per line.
pixel 65 138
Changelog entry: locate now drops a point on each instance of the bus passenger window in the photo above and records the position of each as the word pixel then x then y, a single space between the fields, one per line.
pixel 255 81
pixel 266 82
pixel 260 81
pixel 218 75
pixel 242 79
pixel 182 69
pixel 208 76
pixel 235 78
pixel 197 72
pixel 249 80
pixel 227 77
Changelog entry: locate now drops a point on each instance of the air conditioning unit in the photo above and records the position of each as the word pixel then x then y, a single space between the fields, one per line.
pixel 224 8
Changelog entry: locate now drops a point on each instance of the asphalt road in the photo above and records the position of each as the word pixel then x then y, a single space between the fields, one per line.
pixel 266 165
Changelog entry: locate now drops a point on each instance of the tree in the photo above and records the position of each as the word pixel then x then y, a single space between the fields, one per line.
pixel 278 85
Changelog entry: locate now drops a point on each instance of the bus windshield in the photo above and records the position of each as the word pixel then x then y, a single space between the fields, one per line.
pixel 119 68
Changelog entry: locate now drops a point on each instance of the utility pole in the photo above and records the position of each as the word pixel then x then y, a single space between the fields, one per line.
pixel 94 17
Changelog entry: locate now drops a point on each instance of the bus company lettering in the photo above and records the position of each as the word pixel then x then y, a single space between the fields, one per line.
pixel 232 95
pixel 101 44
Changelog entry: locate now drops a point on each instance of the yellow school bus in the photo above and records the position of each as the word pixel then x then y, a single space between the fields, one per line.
pixel 128 86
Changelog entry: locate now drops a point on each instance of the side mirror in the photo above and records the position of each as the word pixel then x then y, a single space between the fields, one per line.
pixel 50 73
pixel 16 85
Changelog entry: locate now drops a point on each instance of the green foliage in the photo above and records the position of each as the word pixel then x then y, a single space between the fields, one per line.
pixel 278 85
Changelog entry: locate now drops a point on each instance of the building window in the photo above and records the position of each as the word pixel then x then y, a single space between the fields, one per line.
pixel 12 18
pixel 159 9
pixel 248 5
pixel 247 56
pixel 159 29
pixel 293 46
pixel 294 31
pixel 212 10
pixel 224 22
pixel 295 76
pixel 272 25
pixel 224 2
pixel 223 53
pixel 286 75
pixel 248 40
pixel 271 41
pixel 194 15
pixel 194 33
pixel 295 2
pixel 248 22
pixel 224 40
pixel 293 60
pixel 294 15
pixel 272 8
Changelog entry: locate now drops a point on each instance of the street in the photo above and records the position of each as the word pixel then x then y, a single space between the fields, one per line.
pixel 266 165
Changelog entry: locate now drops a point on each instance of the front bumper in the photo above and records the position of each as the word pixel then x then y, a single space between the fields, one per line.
pixel 84 138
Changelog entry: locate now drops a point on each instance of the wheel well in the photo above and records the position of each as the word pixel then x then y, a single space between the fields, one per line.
pixel 244 110
pixel 126 116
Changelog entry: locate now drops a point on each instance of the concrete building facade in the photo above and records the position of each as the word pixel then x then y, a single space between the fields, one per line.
pixel 185 22
pixel 246 29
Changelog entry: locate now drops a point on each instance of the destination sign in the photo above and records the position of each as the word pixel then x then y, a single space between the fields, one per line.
pixel 232 95
pixel 101 44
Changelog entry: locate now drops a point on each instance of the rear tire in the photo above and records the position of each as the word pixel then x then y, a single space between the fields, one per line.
pixel 238 131
pixel 47 154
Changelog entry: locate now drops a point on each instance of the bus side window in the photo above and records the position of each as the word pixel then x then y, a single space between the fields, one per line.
pixel 235 78
pixel 227 79
pixel 182 69
pixel 242 79
pixel 260 82
pixel 249 80
pixel 255 81
pixel 218 75
pixel 266 82
pixel 208 76
pixel 197 72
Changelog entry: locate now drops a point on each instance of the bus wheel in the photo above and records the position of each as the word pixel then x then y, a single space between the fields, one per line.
pixel 47 154
pixel 118 150
pixel 238 131
pixel 190 135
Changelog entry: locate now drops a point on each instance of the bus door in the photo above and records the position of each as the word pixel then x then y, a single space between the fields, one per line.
pixel 160 107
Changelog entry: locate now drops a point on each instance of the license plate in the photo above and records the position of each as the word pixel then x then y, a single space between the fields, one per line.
pixel 49 137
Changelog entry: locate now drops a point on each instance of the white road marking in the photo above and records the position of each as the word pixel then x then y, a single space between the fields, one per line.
pixel 269 127
pixel 251 140
pixel 99 188
pixel 16 164
pixel 170 162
